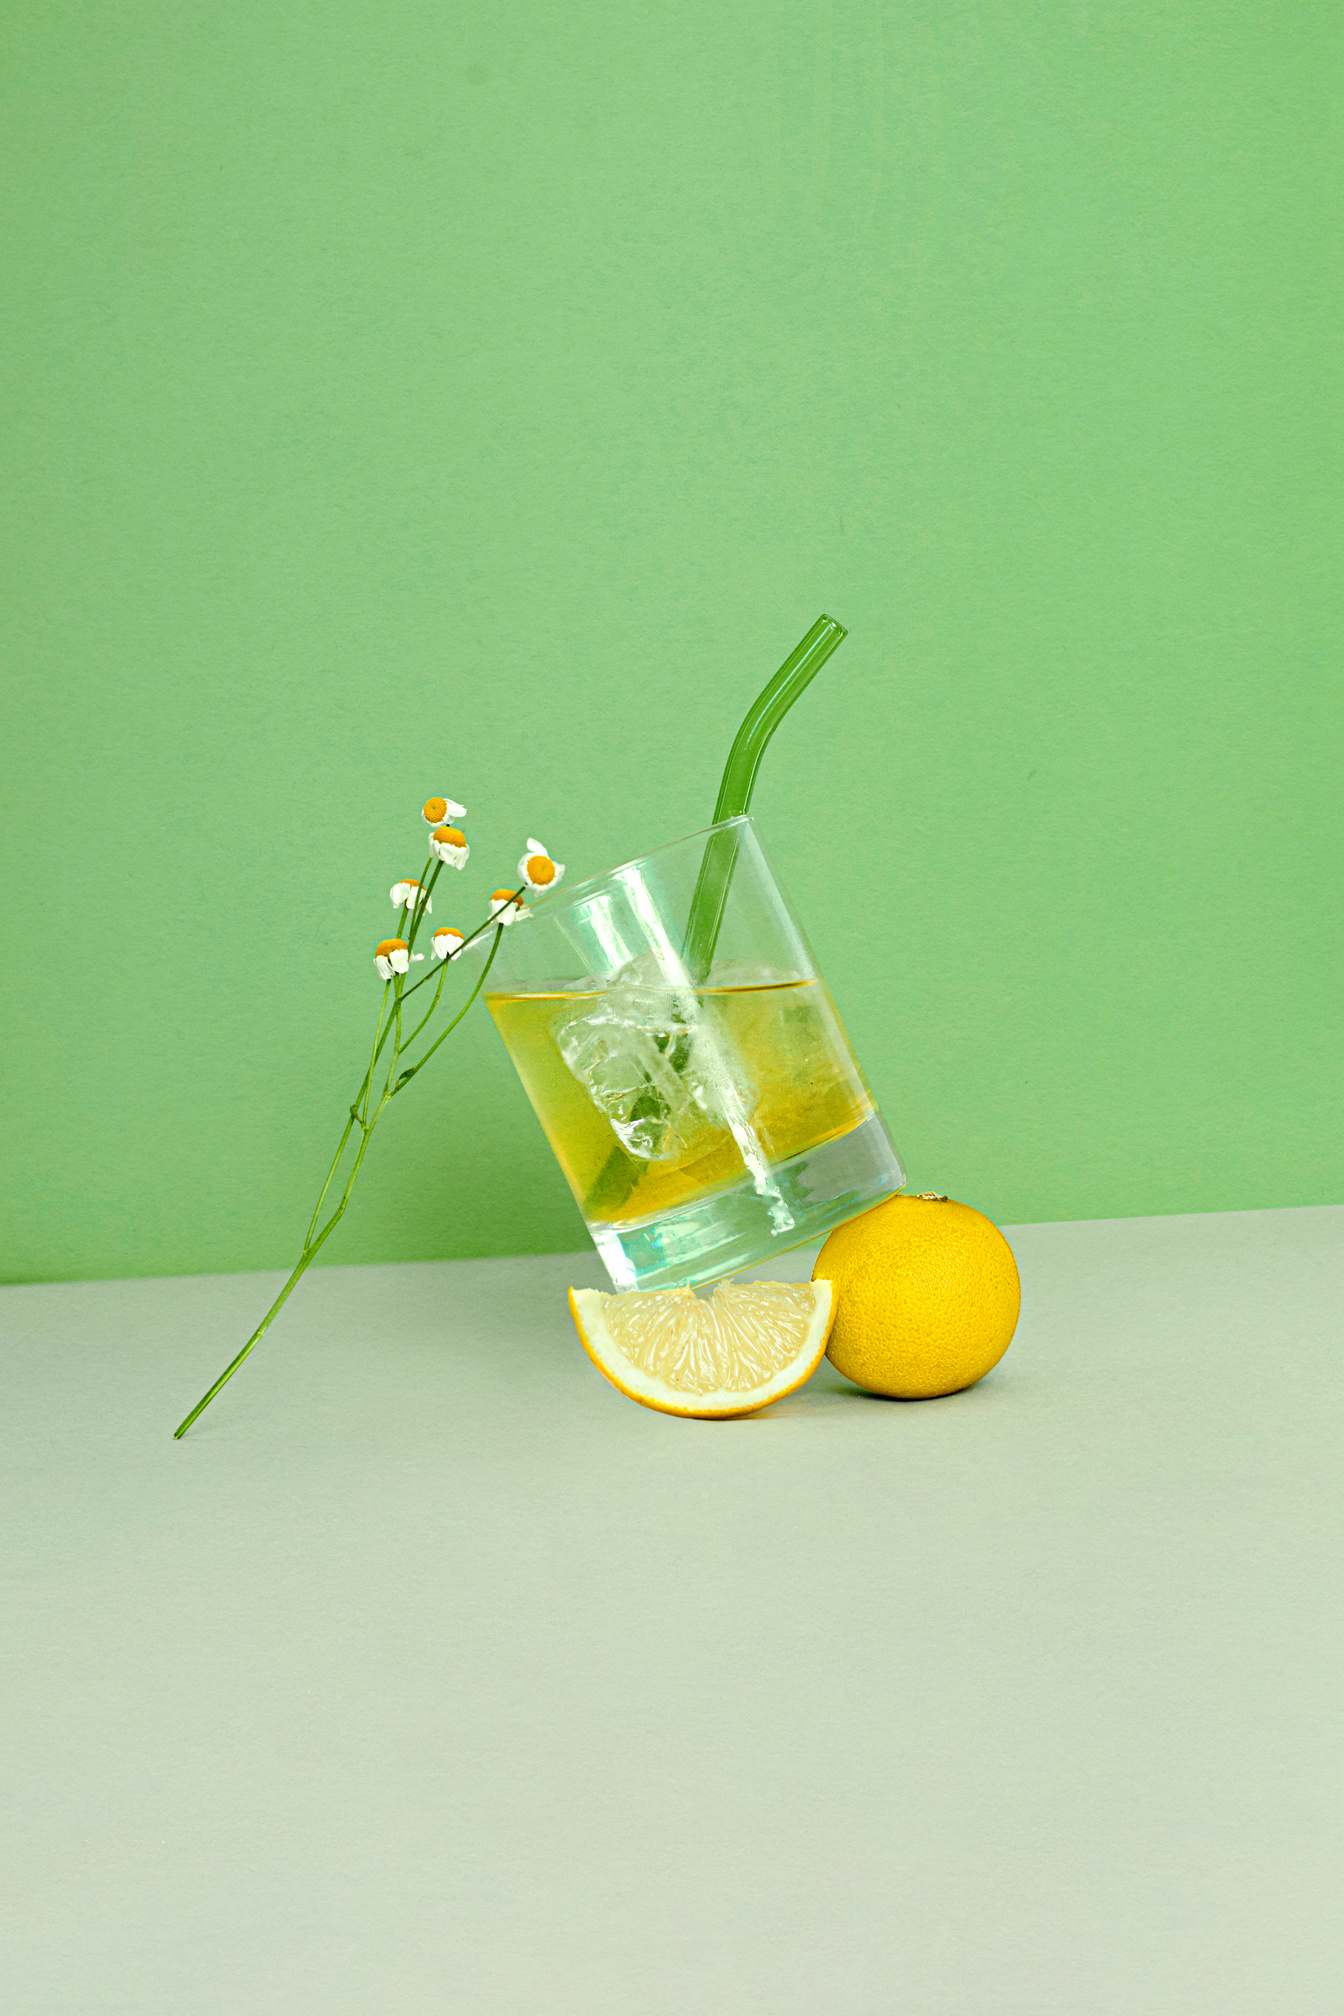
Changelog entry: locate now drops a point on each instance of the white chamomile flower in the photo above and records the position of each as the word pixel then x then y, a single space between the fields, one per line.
pixel 410 895
pixel 394 956
pixel 436 810
pixel 446 944
pixel 538 870
pixel 507 906
pixel 450 844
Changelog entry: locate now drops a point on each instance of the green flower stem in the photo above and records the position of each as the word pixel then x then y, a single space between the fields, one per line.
pixel 380 1030
pixel 421 1062
pixel 429 875
pixel 356 1120
pixel 470 939
pixel 425 980
pixel 331 1175
pixel 443 975
pixel 379 1038
pixel 417 910
pixel 366 1120
pixel 311 1249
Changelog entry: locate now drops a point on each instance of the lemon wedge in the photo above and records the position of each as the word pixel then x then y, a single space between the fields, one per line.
pixel 751 1343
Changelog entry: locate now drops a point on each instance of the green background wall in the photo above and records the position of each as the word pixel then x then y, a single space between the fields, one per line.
pixel 485 398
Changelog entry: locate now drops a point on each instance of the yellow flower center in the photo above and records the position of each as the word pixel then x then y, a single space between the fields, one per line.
pixel 436 809
pixel 389 946
pixel 540 869
pixel 449 836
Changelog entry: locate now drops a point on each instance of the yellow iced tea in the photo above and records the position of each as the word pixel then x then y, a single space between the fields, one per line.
pixel 647 1115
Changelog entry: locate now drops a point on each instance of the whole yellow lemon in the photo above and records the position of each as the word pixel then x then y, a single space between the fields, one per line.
pixel 927 1296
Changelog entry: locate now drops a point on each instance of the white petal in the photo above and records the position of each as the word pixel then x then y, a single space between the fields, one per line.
pixel 535 847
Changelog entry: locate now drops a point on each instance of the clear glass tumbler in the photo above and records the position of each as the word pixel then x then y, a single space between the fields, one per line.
pixel 688 1064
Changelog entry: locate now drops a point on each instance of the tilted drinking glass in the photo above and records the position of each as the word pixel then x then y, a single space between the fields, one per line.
pixel 688 1064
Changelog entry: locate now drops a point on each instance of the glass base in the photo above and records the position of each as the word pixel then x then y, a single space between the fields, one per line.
pixel 743 1225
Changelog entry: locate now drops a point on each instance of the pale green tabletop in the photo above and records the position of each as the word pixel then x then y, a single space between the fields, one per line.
pixel 428 1674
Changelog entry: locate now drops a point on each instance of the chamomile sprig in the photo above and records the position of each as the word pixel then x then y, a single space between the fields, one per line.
pixel 392 1064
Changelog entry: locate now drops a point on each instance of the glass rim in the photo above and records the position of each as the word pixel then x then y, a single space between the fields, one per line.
pixel 555 903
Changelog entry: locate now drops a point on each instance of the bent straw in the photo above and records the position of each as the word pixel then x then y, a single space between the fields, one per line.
pixel 798 671
pixel 615 1179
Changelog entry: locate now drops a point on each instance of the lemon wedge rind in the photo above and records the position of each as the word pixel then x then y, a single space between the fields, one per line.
pixel 748 1346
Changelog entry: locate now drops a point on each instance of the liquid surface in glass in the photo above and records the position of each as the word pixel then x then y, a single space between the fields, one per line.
pixel 652 1095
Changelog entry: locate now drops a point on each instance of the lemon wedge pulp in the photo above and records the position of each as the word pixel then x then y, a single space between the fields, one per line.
pixel 751 1343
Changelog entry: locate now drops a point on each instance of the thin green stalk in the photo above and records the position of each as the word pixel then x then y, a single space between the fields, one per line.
pixel 362 1096
pixel 470 939
pixel 373 1055
pixel 479 932
pixel 355 1120
pixel 428 978
pixel 331 1175
pixel 310 1250
pixel 422 907
pixel 367 1120
pixel 443 975
pixel 421 1062
pixel 424 981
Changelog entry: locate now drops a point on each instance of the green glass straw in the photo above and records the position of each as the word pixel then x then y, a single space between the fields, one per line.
pixel 799 669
